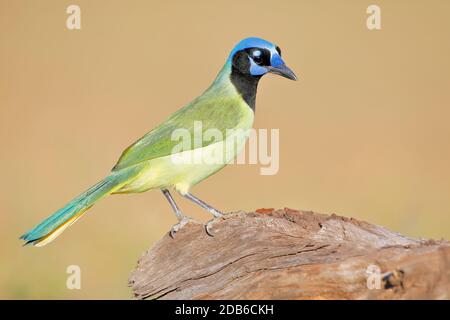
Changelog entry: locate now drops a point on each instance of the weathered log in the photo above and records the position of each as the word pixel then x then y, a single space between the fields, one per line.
pixel 290 254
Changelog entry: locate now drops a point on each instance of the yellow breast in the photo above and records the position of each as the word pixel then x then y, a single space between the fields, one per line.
pixel 185 169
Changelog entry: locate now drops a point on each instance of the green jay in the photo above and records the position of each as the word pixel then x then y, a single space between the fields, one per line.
pixel 229 103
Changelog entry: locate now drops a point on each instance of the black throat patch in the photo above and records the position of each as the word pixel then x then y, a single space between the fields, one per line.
pixel 243 81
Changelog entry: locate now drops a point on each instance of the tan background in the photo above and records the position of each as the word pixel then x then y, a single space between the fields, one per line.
pixel 364 132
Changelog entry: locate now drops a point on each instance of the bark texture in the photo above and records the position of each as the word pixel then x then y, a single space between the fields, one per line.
pixel 290 254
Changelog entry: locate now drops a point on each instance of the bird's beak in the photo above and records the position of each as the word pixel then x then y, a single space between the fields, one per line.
pixel 283 71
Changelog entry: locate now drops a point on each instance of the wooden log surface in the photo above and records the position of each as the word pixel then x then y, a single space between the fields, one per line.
pixel 290 254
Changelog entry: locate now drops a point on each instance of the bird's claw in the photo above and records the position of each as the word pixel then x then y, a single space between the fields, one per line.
pixel 208 228
pixel 177 227
pixel 208 225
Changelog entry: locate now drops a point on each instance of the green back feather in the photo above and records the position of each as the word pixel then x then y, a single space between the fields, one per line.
pixel 220 107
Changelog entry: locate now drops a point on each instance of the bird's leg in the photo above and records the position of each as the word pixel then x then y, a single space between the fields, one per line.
pixel 216 213
pixel 182 219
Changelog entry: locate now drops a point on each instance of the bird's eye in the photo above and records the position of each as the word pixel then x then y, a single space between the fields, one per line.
pixel 257 56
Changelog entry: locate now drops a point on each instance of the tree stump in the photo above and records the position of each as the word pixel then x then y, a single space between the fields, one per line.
pixel 290 254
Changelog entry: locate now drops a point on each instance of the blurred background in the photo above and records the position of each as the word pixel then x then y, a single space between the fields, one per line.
pixel 364 132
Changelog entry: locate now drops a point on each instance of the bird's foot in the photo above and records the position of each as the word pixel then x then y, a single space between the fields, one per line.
pixel 177 227
pixel 208 226
pixel 217 214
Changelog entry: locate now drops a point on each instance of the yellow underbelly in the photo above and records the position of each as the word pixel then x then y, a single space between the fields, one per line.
pixel 187 168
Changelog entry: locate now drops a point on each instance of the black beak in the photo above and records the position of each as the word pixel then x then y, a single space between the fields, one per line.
pixel 283 71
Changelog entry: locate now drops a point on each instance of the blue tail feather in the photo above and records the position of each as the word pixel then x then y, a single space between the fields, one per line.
pixel 74 207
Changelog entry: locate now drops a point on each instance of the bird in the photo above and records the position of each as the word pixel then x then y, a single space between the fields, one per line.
pixel 149 163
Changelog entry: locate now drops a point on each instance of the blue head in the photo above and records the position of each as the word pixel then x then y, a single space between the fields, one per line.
pixel 255 57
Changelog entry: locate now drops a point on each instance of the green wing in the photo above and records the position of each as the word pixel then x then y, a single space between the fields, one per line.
pixel 219 113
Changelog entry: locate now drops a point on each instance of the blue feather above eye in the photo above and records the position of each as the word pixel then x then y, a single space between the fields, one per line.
pixel 253 42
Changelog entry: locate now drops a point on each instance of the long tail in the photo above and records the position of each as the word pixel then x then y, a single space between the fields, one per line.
pixel 54 225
